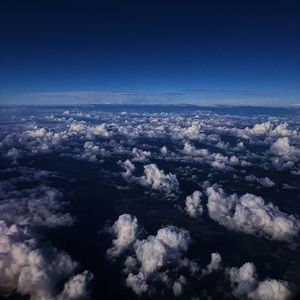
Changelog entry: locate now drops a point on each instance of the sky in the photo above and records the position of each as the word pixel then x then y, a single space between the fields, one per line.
pixel 197 52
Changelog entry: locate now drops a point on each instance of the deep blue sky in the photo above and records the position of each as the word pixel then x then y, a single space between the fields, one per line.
pixel 205 52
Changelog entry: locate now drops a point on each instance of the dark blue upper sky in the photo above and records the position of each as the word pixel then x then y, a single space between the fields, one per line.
pixel 205 52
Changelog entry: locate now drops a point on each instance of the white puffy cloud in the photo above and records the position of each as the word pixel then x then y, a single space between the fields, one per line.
pixel 216 160
pixel 90 131
pixel 92 152
pixel 193 131
pixel 154 258
pixel 35 140
pixel 129 169
pixel 264 129
pixel 191 150
pixel 164 150
pixel 29 268
pixel 158 180
pixel 244 281
pixel 250 214
pixel 178 286
pixel 271 289
pixel 77 287
pixel 214 265
pixel 124 230
pixel 153 252
pixel 100 130
pixel 138 283
pixel 39 206
pixel 193 205
pixel 40 140
pixel 281 130
pixel 140 155
pixel 283 149
pixel 77 127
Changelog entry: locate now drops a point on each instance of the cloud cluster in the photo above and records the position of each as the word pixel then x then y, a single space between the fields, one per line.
pixel 216 160
pixel 93 136
pixel 245 284
pixel 250 214
pixel 265 129
pixel 34 270
pixel 40 140
pixel 28 265
pixel 39 206
pixel 157 258
pixel 266 181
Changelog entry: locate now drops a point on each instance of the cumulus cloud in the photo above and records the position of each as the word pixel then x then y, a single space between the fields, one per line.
pixel 35 140
pixel 153 252
pixel 77 287
pixel 271 289
pixel 214 265
pixel 264 129
pixel 250 214
pixel 193 205
pixel 245 284
pixel 266 181
pixel 193 131
pixel 39 206
pixel 216 160
pixel 158 180
pixel 259 129
pixel 40 140
pixel 29 268
pixel 178 286
pixel 125 230
pixel 129 169
pixel 164 150
pixel 191 150
pixel 100 130
pixel 283 149
pixel 89 131
pixel 92 152
pixel 154 258
pixel 244 279
pixel 140 155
